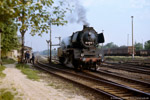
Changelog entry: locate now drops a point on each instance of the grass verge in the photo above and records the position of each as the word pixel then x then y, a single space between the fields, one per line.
pixel 8 61
pixel 1 71
pixel 6 95
pixel 31 74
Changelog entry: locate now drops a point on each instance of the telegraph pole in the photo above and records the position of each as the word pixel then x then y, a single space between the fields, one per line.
pixel 128 40
pixel 132 39
pixel 0 47
pixel 142 44
pixel 102 50
pixel 50 59
pixel 48 41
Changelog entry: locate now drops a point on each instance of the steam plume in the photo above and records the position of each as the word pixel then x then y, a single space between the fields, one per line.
pixel 79 13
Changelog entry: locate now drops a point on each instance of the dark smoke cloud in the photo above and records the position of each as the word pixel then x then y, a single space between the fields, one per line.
pixel 78 14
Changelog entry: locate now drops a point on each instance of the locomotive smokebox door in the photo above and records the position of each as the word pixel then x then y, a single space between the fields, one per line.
pixel 101 38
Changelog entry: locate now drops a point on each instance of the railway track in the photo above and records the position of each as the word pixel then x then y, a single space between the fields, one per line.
pixel 137 84
pixel 138 64
pixel 144 63
pixel 102 86
pixel 52 70
pixel 127 67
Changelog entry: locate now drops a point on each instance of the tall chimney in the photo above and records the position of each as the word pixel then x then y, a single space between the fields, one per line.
pixel 85 26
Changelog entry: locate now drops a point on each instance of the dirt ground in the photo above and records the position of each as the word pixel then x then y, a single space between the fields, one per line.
pixel 26 89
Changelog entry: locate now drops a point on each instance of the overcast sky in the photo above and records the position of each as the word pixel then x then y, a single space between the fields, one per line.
pixel 112 16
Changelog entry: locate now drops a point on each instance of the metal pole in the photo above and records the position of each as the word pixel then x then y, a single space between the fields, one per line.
pixel 50 45
pixel 0 48
pixel 54 53
pixel 102 59
pixel 128 40
pixel 142 44
pixel 48 41
pixel 132 39
pixel 48 50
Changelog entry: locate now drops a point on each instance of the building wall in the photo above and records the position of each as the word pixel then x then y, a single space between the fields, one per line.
pixel 15 53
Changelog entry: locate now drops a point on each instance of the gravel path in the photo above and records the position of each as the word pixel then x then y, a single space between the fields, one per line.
pixel 31 90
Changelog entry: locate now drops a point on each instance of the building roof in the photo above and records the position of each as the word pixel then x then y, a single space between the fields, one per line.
pixel 27 48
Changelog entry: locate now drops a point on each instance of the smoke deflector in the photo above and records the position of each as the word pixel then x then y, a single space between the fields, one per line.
pixel 101 38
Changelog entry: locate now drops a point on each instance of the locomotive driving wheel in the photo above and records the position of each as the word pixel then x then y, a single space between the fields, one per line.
pixel 80 67
pixel 95 67
pixel 89 67
pixel 74 62
pixel 66 59
pixel 61 60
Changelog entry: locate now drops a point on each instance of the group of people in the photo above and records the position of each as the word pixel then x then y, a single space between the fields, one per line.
pixel 28 59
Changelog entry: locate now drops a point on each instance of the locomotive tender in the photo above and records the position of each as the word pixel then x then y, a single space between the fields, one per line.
pixel 80 50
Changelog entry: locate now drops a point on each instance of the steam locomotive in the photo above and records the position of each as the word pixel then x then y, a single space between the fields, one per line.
pixel 80 50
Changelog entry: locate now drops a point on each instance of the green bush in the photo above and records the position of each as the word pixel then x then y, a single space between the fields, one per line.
pixel 6 96
pixel 1 71
pixel 8 61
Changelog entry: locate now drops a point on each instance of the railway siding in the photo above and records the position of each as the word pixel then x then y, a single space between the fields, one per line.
pixel 137 84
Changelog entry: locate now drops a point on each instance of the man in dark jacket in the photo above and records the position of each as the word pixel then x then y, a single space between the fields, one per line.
pixel 32 59
pixel 27 57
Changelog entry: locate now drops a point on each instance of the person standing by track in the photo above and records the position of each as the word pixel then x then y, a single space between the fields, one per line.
pixel 32 59
pixel 27 57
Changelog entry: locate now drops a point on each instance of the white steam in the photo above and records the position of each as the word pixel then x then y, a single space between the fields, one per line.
pixel 66 42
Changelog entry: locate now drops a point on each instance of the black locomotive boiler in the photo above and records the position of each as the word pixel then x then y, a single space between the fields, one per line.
pixel 80 50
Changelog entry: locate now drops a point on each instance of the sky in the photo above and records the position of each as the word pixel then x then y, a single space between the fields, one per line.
pixel 112 16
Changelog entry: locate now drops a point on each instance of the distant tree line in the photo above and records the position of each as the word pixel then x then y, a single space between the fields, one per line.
pixel 138 46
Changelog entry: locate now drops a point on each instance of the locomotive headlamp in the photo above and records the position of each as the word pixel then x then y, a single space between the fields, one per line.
pixel 90 33
pixel 82 54
pixel 100 55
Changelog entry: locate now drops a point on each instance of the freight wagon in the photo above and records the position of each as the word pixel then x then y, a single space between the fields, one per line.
pixel 121 51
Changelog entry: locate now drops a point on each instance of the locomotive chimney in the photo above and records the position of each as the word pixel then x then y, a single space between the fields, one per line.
pixel 85 26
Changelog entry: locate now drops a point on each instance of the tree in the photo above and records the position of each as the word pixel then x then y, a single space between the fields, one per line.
pixel 8 9
pixel 147 45
pixel 138 46
pixel 7 13
pixel 9 38
pixel 110 45
pixel 34 15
